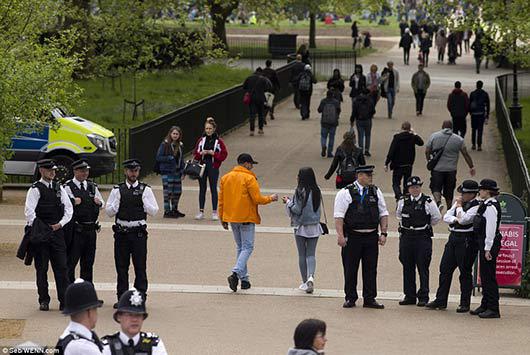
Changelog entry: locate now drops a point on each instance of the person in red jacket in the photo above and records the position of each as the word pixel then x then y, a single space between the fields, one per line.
pixel 211 151
pixel 458 106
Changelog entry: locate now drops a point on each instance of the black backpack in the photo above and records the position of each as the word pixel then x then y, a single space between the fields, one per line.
pixel 305 82
pixel 347 168
pixel 329 114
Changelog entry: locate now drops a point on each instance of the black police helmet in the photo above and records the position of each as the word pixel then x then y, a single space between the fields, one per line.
pixel 132 301
pixel 80 296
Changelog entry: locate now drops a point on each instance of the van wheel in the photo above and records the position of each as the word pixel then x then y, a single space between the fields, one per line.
pixel 63 172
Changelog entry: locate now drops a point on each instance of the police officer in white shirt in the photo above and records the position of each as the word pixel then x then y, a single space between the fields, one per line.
pixel 87 201
pixel 359 211
pixel 82 305
pixel 130 202
pixel 417 213
pixel 131 314
pixel 47 204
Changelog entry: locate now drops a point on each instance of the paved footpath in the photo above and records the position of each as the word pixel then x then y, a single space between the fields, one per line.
pixel 190 305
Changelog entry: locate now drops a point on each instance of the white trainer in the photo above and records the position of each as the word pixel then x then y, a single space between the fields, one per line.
pixel 199 216
pixel 303 287
pixel 310 284
pixel 215 216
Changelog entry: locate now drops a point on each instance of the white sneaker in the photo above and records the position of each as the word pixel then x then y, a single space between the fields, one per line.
pixel 215 216
pixel 303 287
pixel 310 284
pixel 199 216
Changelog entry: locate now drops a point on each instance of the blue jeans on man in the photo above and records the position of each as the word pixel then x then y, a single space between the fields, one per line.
pixel 390 100
pixel 244 237
pixel 325 132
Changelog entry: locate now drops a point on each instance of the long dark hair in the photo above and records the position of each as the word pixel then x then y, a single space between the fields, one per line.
pixel 307 182
pixel 306 331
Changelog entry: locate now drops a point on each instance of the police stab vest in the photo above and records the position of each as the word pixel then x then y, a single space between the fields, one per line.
pixel 464 228
pixel 479 222
pixel 49 209
pixel 131 204
pixel 144 347
pixel 63 343
pixel 362 213
pixel 415 221
pixel 87 211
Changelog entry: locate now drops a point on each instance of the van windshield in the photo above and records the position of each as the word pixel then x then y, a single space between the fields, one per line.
pixel 59 112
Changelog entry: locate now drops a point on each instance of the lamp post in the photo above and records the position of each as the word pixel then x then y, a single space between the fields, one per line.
pixel 515 108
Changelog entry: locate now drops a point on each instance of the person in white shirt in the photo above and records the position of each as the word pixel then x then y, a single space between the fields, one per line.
pixel 48 210
pixel 130 314
pixel 130 202
pixel 82 305
pixel 359 212
pixel 83 228
pixel 417 213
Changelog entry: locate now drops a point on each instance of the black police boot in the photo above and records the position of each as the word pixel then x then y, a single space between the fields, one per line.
pixel 421 303
pixel 407 301
pixel 373 304
pixel 477 311
pixel 348 304
pixel 489 314
pixel 462 309
pixel 435 305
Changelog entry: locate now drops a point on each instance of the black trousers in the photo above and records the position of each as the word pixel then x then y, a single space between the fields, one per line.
pixel 420 97
pixel 126 246
pixel 82 249
pixel 360 247
pixel 399 178
pixel 415 253
pixel 425 58
pixel 406 55
pixel 488 277
pixel 477 128
pixel 441 53
pixel 296 96
pixel 53 252
pixel 460 252
pixel 305 103
pixel 478 60
pixel 256 110
pixel 459 126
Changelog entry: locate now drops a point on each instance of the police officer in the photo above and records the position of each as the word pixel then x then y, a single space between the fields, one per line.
pixel 417 213
pixel 82 305
pixel 48 210
pixel 130 202
pixel 131 314
pixel 359 210
pixel 486 227
pixel 461 248
pixel 86 199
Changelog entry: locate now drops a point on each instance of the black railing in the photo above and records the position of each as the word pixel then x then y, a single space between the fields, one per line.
pixel 122 153
pixel 515 159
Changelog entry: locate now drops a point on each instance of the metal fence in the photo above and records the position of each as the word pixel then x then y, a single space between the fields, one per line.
pixel 515 161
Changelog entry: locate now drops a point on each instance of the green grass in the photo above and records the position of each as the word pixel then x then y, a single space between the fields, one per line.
pixel 523 135
pixel 163 92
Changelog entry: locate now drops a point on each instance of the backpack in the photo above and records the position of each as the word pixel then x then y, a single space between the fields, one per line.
pixel 364 110
pixel 304 84
pixel 329 114
pixel 347 168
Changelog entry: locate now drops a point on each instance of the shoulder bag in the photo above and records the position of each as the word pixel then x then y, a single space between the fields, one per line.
pixel 435 155
pixel 324 225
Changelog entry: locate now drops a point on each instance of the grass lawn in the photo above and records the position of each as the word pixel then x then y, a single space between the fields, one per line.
pixel 523 135
pixel 163 91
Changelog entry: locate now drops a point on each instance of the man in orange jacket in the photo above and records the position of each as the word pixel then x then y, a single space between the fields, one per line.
pixel 239 197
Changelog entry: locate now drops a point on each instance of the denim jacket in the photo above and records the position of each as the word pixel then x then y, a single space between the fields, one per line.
pixel 303 216
pixel 168 163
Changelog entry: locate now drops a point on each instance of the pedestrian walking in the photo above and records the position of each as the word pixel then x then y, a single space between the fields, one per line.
pixel 401 156
pixel 420 83
pixel 271 74
pixel 479 108
pixel 406 42
pixel 84 226
pixel 452 48
pixel 304 209
pixel 306 80
pixel 170 160
pixel 354 34
pixel 390 81
pixel 425 47
pixel 467 37
pixel 309 338
pixel 336 85
pixel 443 173
pixel 415 32
pixel 298 68
pixel 256 85
pixel 478 52
pixel 239 198
pixel 363 112
pixel 357 82
pixel 131 314
pixel 345 162
pixel 458 106
pixel 304 52
pixel 211 151
pixel 441 44
pixel 403 25
pixel 330 109
pixel 417 213
pixel 130 202
pixel 460 250
pixel 373 80
pixel 81 304
pixel 47 210
pixel 359 211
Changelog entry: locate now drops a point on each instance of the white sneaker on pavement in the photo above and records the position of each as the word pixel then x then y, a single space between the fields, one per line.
pixel 310 284
pixel 215 216
pixel 199 216
pixel 303 287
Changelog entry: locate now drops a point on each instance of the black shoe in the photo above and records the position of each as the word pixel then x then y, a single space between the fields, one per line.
pixel 61 306
pixel 179 214
pixel 245 285
pixel 330 155
pixel 115 306
pixel 170 214
pixel 489 314
pixel 435 305
pixel 477 311
pixel 43 306
pixel 407 301
pixel 374 305
pixel 367 153
pixel 272 117
pixel 323 153
pixel 233 281
pixel 421 303
pixel 479 149
pixel 348 304
pixel 462 309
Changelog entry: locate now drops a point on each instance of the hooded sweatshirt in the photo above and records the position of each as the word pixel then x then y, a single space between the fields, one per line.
pixel 402 151
pixel 458 103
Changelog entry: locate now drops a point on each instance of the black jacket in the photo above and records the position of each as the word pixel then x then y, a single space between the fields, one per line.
pixel 339 157
pixel 257 85
pixel 402 151
pixel 298 67
pixel 458 103
pixel 360 87
pixel 479 102
pixel 270 74
pixel 337 85
pixel 406 41
pixel 362 109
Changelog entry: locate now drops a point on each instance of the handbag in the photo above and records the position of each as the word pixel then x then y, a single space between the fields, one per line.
pixel 324 225
pixel 435 155
pixel 194 169
pixel 247 98
pixel 269 99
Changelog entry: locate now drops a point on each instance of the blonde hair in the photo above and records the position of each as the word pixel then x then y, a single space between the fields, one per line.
pixel 211 121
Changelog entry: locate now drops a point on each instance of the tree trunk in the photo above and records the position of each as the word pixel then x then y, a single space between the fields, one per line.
pixel 219 12
pixel 219 29
pixel 312 30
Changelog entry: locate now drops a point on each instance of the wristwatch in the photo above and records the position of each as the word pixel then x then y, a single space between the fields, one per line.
pixel 384 234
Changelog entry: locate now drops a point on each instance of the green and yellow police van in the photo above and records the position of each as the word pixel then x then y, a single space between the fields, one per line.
pixel 74 138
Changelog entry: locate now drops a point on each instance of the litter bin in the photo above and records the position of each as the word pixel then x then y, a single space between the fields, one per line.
pixel 281 45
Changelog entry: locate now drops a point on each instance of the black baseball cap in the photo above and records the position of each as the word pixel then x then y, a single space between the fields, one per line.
pixel 132 164
pixel 245 158
pixel 80 164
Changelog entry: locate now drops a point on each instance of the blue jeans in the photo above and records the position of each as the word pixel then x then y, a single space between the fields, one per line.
pixel 244 238
pixel 326 131
pixel 390 100
pixel 364 133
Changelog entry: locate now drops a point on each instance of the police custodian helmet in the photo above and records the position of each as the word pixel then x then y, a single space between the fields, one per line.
pixel 132 301
pixel 80 296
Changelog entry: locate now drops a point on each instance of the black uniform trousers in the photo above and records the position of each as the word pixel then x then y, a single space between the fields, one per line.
pixel 460 251
pixel 360 247
pixel 54 252
pixel 305 104
pixel 415 252
pixel 82 249
pixel 488 277
pixel 127 245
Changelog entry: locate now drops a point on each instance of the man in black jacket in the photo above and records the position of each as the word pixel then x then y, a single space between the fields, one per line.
pixel 271 74
pixel 401 156
pixel 405 43
pixel 298 68
pixel 458 106
pixel 256 85
pixel 479 108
